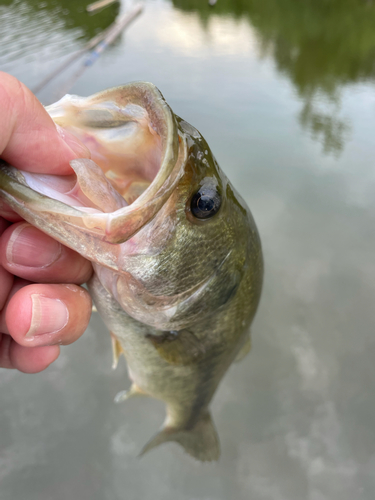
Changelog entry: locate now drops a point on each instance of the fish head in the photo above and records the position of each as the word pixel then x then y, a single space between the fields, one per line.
pixel 168 235
pixel 198 253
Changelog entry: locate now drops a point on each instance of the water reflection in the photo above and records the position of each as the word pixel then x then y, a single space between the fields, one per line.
pixel 321 46
pixel 66 14
pixel 36 33
pixel 331 130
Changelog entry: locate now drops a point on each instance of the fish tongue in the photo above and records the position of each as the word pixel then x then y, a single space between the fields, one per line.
pixel 94 185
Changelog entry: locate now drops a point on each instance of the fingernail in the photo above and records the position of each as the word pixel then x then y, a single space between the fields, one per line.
pixel 48 316
pixel 31 248
pixel 78 148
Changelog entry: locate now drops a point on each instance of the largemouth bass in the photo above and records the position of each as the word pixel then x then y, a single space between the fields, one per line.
pixel 176 253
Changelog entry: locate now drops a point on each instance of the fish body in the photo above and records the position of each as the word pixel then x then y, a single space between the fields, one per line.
pixel 176 253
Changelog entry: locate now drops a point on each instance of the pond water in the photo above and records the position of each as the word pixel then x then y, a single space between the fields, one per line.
pixel 284 93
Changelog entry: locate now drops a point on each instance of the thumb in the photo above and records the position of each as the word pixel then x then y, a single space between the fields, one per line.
pixel 29 139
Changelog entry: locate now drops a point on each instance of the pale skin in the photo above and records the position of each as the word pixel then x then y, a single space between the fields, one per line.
pixel 42 305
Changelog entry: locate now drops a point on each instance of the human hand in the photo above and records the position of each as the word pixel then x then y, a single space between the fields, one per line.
pixel 41 304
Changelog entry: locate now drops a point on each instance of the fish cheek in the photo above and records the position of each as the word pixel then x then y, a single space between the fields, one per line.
pixel 178 347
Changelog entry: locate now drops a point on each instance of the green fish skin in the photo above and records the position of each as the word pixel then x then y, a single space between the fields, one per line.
pixel 176 253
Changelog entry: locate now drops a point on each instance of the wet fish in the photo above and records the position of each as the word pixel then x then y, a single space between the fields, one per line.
pixel 176 253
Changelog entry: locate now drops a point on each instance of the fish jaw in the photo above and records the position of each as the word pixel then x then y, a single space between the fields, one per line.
pixel 84 116
pixel 131 133
pixel 35 198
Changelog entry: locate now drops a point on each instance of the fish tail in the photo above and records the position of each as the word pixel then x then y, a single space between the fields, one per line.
pixel 201 442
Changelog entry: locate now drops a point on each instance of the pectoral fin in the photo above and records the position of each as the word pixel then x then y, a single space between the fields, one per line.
pixel 129 393
pixel 117 350
pixel 178 348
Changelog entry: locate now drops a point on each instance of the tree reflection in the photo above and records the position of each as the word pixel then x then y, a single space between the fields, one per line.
pixel 327 128
pixel 320 45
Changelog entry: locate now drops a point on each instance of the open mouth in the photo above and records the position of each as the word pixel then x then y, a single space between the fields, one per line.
pixel 137 158
pixel 126 141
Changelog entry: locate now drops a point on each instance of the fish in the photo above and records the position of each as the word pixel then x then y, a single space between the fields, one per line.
pixel 177 256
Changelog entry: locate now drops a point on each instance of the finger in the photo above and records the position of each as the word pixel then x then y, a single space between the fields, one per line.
pixel 41 315
pixel 32 359
pixel 8 213
pixel 17 284
pixel 5 341
pixel 3 225
pixel 27 252
pixel 6 279
pixel 25 359
pixel 29 139
pixel 6 282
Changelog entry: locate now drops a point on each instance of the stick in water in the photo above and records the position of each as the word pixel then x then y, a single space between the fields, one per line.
pixel 110 37
pixel 99 5
pixel 89 45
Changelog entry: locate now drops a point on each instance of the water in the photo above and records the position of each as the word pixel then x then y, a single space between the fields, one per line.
pixel 283 91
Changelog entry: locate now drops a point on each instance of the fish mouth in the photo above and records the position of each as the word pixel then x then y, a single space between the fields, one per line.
pixel 138 154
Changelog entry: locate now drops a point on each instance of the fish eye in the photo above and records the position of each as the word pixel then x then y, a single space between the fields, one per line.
pixel 205 203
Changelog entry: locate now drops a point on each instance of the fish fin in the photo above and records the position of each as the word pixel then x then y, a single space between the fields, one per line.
pixel 201 442
pixel 129 393
pixel 178 347
pixel 245 349
pixel 117 350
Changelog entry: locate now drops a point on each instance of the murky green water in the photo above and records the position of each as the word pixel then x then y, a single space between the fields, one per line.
pixel 283 90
